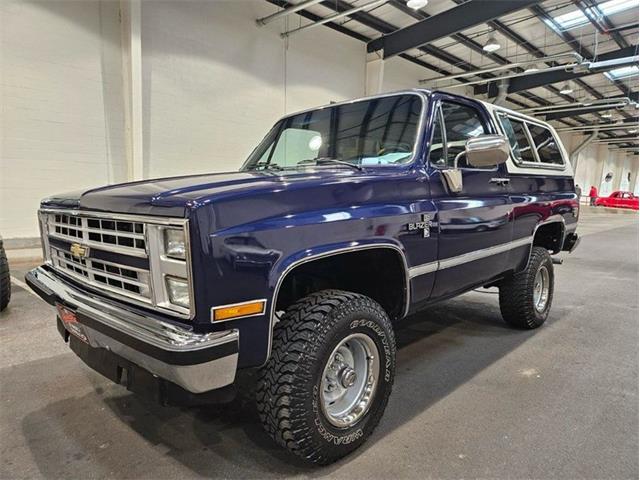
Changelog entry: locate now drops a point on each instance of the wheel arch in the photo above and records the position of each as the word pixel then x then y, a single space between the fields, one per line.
pixel 295 263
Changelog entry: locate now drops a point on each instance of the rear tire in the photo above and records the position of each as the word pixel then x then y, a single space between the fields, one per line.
pixel 5 279
pixel 525 298
pixel 303 390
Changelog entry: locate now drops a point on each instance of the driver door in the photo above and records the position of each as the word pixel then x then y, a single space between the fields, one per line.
pixel 476 223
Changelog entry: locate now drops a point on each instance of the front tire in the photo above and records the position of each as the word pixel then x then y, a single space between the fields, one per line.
pixel 525 298
pixel 330 374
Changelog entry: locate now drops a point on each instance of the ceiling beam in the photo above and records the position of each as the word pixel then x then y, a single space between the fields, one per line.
pixel 541 79
pixel 449 22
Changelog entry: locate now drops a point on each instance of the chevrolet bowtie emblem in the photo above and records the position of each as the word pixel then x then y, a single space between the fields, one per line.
pixel 78 251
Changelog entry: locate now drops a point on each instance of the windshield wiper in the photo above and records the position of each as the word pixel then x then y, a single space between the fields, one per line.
pixel 329 160
pixel 266 166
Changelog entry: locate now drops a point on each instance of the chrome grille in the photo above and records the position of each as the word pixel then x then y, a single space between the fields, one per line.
pixel 125 280
pixel 97 249
pixel 124 236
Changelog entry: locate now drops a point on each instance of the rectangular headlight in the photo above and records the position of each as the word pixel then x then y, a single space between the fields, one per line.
pixel 178 290
pixel 174 243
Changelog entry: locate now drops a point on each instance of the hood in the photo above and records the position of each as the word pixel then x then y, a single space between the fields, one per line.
pixel 176 195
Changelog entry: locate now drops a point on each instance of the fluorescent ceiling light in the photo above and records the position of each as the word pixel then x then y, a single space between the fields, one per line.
pixel 417 4
pixel 576 18
pixel 492 44
pixel 531 68
pixel 622 72
pixel 606 115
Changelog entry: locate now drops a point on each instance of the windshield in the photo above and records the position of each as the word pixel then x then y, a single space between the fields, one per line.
pixel 377 132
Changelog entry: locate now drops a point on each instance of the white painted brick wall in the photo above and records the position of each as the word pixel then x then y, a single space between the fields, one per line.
pixel 62 112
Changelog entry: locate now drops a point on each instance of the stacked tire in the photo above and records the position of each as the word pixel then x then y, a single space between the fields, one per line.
pixel 5 279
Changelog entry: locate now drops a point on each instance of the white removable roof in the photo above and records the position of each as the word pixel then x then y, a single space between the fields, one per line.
pixel 539 168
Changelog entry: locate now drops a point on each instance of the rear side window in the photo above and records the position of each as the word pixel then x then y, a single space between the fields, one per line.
pixel 518 139
pixel 531 143
pixel 546 145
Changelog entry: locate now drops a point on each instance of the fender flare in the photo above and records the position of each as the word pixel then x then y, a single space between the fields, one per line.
pixel 289 263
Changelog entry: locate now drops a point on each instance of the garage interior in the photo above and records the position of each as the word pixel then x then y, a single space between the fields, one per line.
pixel 104 92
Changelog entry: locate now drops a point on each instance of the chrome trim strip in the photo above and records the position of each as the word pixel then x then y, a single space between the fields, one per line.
pixel 118 216
pixel 331 253
pixel 467 257
pixel 262 312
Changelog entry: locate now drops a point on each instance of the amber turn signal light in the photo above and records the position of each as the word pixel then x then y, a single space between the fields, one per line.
pixel 238 310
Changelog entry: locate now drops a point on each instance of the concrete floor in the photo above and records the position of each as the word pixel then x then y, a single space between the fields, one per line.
pixel 472 397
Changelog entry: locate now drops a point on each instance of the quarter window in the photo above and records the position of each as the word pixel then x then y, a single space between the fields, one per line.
pixel 531 143
pixel 546 145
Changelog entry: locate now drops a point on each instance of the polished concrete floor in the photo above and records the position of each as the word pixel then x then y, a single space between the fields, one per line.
pixel 472 397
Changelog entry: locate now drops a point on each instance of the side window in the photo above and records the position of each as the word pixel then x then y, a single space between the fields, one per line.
pixel 461 123
pixel 518 139
pixel 546 145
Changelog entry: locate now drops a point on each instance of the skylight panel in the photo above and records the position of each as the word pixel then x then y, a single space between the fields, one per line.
pixel 568 21
pixel 622 72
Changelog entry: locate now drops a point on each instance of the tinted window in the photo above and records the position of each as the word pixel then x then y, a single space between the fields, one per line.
pixel 379 131
pixel 546 145
pixel 460 124
pixel 517 136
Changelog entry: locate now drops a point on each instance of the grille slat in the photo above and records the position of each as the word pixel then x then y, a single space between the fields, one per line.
pixel 127 236
pixel 126 280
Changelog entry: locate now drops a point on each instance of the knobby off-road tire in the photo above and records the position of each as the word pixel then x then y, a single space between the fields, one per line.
pixel 291 385
pixel 5 279
pixel 522 304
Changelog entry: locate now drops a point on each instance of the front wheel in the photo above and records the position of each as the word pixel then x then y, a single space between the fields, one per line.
pixel 330 374
pixel 525 298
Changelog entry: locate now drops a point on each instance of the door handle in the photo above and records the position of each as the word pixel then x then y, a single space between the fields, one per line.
pixel 500 181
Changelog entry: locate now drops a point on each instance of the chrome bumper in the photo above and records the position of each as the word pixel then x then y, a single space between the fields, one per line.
pixel 196 362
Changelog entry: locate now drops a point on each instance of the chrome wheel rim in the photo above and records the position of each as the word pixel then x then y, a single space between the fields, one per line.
pixel 349 380
pixel 541 289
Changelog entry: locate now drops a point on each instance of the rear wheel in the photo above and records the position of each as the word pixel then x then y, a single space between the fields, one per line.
pixel 525 298
pixel 330 374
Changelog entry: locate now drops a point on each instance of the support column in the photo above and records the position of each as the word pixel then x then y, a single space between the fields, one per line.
pixel 131 14
pixel 374 76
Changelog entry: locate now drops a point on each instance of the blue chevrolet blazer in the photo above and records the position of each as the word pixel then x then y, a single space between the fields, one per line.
pixel 344 220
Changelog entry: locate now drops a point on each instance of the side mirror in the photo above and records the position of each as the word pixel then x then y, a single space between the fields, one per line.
pixel 481 151
pixel 487 150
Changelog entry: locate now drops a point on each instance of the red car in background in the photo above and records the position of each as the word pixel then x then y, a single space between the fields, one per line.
pixel 618 199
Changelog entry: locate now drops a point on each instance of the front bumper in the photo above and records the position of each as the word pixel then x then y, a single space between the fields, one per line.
pixel 196 362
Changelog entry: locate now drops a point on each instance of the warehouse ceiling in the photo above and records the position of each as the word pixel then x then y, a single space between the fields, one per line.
pixel 574 62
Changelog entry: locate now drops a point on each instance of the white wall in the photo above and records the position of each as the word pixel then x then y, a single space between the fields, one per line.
pixel 62 111
pixel 215 82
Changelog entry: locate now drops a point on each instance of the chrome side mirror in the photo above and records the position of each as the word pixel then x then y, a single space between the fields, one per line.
pixel 481 151
pixel 487 150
